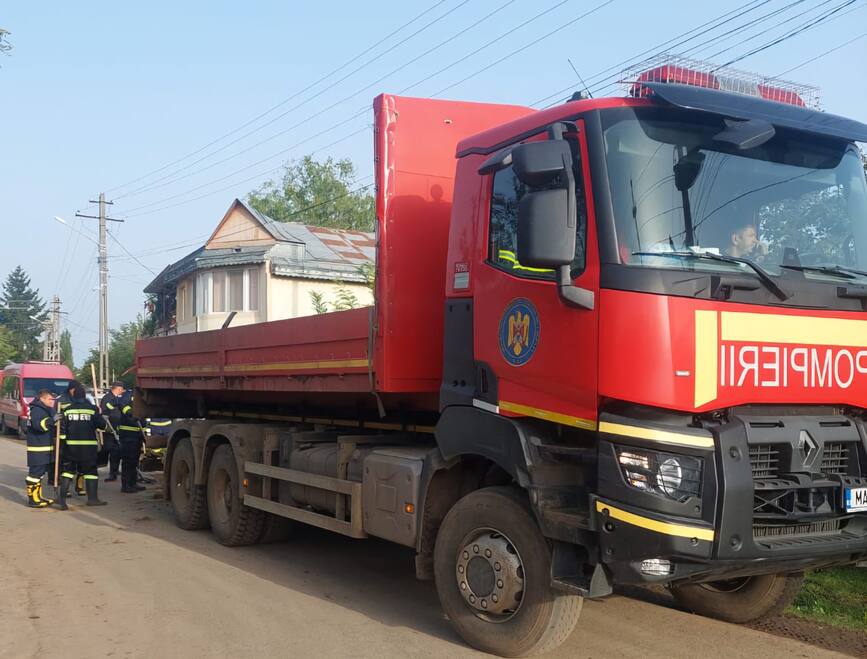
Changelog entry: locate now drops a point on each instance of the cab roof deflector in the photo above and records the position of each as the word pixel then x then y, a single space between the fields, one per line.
pixel 739 106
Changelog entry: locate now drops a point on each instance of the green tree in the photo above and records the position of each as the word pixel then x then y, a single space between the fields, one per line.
pixel 317 193
pixel 66 349
pixel 121 353
pixel 22 311
pixel 5 46
pixel 7 347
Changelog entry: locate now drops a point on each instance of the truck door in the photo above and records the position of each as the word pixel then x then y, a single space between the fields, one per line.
pixel 542 350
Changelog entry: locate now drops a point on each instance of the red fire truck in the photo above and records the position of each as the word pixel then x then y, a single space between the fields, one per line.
pixel 617 341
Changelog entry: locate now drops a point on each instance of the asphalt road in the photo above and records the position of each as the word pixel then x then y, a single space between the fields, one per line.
pixel 124 581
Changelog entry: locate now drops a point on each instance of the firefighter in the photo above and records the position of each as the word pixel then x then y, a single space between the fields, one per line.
pixel 111 405
pixel 40 447
pixel 61 403
pixel 79 422
pixel 130 434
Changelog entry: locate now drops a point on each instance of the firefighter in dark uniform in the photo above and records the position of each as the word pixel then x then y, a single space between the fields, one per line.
pixel 131 435
pixel 111 405
pixel 78 424
pixel 60 404
pixel 40 447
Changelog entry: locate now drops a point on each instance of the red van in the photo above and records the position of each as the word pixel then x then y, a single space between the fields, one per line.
pixel 19 384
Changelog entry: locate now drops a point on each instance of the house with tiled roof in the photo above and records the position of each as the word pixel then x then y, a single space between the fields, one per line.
pixel 254 269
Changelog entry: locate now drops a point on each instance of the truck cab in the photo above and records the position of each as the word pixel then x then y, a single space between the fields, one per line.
pixel 675 280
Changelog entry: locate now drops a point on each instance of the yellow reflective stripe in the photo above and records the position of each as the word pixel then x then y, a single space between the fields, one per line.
pixel 665 528
pixel 547 415
pixel 160 423
pixel 83 411
pixel 130 428
pixel 63 437
pixel 31 479
pixel 40 449
pixel 653 435
pixel 90 477
pixel 67 474
pixel 126 408
pixel 509 256
pixel 81 442
pixel 44 424
pixel 109 406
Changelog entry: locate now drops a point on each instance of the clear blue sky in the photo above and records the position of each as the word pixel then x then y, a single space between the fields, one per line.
pixel 96 94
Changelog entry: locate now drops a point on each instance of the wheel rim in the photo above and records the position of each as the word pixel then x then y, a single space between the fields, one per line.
pixel 183 482
pixel 727 585
pixel 223 496
pixel 490 575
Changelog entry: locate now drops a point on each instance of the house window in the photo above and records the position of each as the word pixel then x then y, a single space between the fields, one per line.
pixel 235 284
pixel 228 290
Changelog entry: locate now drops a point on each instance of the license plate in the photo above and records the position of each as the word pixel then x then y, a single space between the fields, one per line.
pixel 855 498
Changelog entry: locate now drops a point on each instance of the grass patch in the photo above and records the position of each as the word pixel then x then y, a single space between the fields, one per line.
pixel 836 596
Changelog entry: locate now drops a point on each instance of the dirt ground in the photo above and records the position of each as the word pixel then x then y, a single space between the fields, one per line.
pixel 124 581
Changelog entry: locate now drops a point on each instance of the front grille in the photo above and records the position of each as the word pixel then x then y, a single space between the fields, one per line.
pixel 792 530
pixel 765 461
pixel 835 458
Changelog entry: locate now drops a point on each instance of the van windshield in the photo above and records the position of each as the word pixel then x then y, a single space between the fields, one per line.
pixel 32 386
pixel 794 202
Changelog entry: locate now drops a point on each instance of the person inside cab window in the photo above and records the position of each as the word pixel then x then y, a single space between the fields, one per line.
pixel 745 243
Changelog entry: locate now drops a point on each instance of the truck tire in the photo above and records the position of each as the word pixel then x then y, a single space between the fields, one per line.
pixel 492 568
pixel 233 523
pixel 4 429
pixel 188 499
pixel 740 600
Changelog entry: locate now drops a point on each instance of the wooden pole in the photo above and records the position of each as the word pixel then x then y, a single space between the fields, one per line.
pixel 57 456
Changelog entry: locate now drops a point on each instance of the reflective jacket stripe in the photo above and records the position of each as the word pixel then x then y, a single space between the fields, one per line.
pixel 160 423
pixel 40 449
pixel 130 428
pixel 44 424
pixel 126 409
pixel 83 411
pixel 81 442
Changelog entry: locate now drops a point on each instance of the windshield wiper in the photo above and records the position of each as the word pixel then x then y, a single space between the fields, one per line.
pixel 838 270
pixel 763 275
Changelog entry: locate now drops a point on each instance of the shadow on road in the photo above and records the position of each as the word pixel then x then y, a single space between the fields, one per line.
pixel 372 577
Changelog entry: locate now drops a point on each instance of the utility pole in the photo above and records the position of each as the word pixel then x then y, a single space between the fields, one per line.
pixel 103 288
pixel 51 346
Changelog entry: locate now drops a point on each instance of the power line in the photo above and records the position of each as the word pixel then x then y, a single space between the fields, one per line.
pixel 364 109
pixel 820 55
pixel 617 68
pixel 803 28
pixel 154 184
pixel 285 100
pixel 123 247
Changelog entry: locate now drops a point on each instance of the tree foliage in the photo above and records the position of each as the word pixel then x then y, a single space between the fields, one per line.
pixel 121 353
pixel 66 349
pixel 317 193
pixel 22 312
pixel 5 46
pixel 7 347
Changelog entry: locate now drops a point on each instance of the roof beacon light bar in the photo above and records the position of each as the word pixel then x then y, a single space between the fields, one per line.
pixel 676 69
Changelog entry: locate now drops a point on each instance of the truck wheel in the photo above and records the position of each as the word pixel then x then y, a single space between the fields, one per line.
pixel 743 599
pixel 4 429
pixel 22 433
pixel 188 499
pixel 232 522
pixel 493 576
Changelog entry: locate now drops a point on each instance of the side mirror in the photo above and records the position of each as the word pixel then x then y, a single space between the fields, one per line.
pixel 545 237
pixel 537 164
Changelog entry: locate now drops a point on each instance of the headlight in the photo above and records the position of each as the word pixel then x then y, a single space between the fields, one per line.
pixel 676 477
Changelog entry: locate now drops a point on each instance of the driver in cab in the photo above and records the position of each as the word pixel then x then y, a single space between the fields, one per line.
pixel 744 243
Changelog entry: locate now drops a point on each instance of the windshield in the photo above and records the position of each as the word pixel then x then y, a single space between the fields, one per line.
pixel 32 386
pixel 678 187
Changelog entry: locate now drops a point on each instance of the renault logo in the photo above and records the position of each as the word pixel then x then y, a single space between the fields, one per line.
pixel 808 448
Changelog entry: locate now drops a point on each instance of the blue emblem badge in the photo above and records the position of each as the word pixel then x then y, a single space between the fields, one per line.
pixel 519 331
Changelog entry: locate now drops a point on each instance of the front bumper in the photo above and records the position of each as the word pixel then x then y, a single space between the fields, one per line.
pixel 755 514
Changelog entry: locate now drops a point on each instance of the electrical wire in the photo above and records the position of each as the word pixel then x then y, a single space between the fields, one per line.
pixel 153 184
pixel 820 55
pixel 285 100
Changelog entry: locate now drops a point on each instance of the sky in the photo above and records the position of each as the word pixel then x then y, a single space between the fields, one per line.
pixel 122 98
